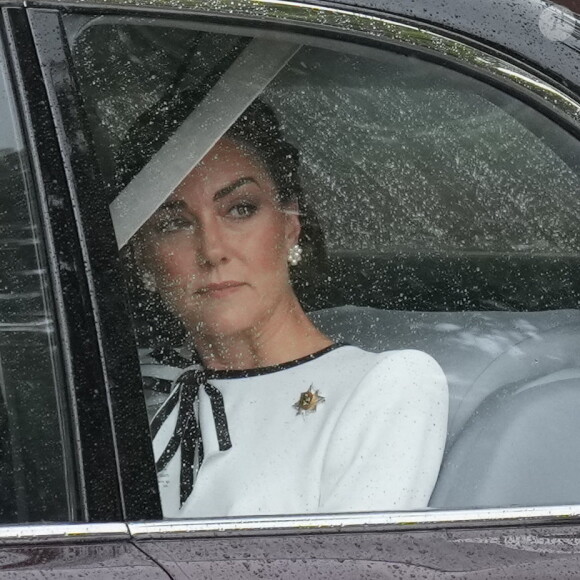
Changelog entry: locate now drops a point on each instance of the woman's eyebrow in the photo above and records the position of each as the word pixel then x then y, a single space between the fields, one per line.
pixel 172 204
pixel 179 204
pixel 233 186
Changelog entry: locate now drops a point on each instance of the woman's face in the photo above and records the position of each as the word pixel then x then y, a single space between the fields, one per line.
pixel 218 246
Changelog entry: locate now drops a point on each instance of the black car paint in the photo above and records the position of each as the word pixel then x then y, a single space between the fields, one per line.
pixel 83 363
pixel 114 340
pixel 98 372
pixel 509 26
pixel 79 560
pixel 533 553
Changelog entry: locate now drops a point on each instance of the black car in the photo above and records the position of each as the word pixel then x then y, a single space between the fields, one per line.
pixel 440 151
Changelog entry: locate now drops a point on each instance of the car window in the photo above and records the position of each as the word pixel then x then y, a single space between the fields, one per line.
pixel 35 465
pixel 438 213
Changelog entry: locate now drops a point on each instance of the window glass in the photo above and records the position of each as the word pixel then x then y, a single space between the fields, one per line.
pixel 431 212
pixel 34 485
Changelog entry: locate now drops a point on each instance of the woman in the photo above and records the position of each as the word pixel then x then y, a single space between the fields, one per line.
pixel 276 419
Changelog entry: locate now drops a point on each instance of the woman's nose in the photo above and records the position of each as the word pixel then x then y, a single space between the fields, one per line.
pixel 212 243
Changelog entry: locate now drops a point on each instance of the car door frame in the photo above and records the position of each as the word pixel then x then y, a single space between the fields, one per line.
pixel 93 449
pixel 114 324
pixel 94 537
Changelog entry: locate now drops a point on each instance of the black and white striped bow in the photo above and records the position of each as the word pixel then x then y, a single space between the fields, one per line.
pixel 187 432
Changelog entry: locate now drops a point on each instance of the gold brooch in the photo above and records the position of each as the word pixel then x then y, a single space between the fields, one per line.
pixel 308 401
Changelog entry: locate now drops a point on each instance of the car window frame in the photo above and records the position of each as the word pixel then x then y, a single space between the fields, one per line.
pixel 128 459
pixel 514 79
pixel 83 387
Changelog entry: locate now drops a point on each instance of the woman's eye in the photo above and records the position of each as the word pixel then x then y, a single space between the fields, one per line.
pixel 242 210
pixel 174 224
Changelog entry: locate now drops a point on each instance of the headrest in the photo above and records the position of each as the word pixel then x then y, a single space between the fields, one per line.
pixel 518 449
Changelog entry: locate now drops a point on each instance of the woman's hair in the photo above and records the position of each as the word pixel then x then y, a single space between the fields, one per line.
pixel 258 129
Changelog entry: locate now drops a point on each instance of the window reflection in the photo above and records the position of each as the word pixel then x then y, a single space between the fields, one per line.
pixel 33 467
pixel 435 215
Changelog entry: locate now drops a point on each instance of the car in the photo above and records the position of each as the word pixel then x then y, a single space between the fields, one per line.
pixel 440 152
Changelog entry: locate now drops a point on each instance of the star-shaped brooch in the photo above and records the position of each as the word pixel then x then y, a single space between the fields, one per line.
pixel 308 401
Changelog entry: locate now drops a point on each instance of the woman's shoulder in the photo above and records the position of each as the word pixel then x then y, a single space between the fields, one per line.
pixel 409 373
pixel 390 368
pixel 415 362
pixel 407 361
pixel 401 398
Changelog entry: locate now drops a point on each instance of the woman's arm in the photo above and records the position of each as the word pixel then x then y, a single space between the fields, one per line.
pixel 386 448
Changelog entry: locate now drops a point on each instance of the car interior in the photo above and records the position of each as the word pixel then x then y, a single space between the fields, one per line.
pixel 449 211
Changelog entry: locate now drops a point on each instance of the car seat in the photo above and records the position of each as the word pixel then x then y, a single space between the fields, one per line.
pixel 514 385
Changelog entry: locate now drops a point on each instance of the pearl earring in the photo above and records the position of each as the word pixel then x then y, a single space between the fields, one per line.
pixel 294 255
pixel 148 281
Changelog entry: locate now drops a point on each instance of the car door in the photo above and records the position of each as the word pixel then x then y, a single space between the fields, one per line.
pixel 431 162
pixel 57 468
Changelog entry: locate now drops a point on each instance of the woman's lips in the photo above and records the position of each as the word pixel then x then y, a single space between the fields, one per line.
pixel 221 289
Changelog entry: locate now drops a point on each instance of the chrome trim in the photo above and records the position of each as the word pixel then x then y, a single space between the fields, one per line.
pixel 373 26
pixel 19 533
pixel 356 522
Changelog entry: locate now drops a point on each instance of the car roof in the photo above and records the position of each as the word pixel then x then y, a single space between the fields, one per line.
pixel 512 27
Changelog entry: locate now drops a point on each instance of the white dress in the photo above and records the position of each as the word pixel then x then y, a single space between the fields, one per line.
pixel 374 444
